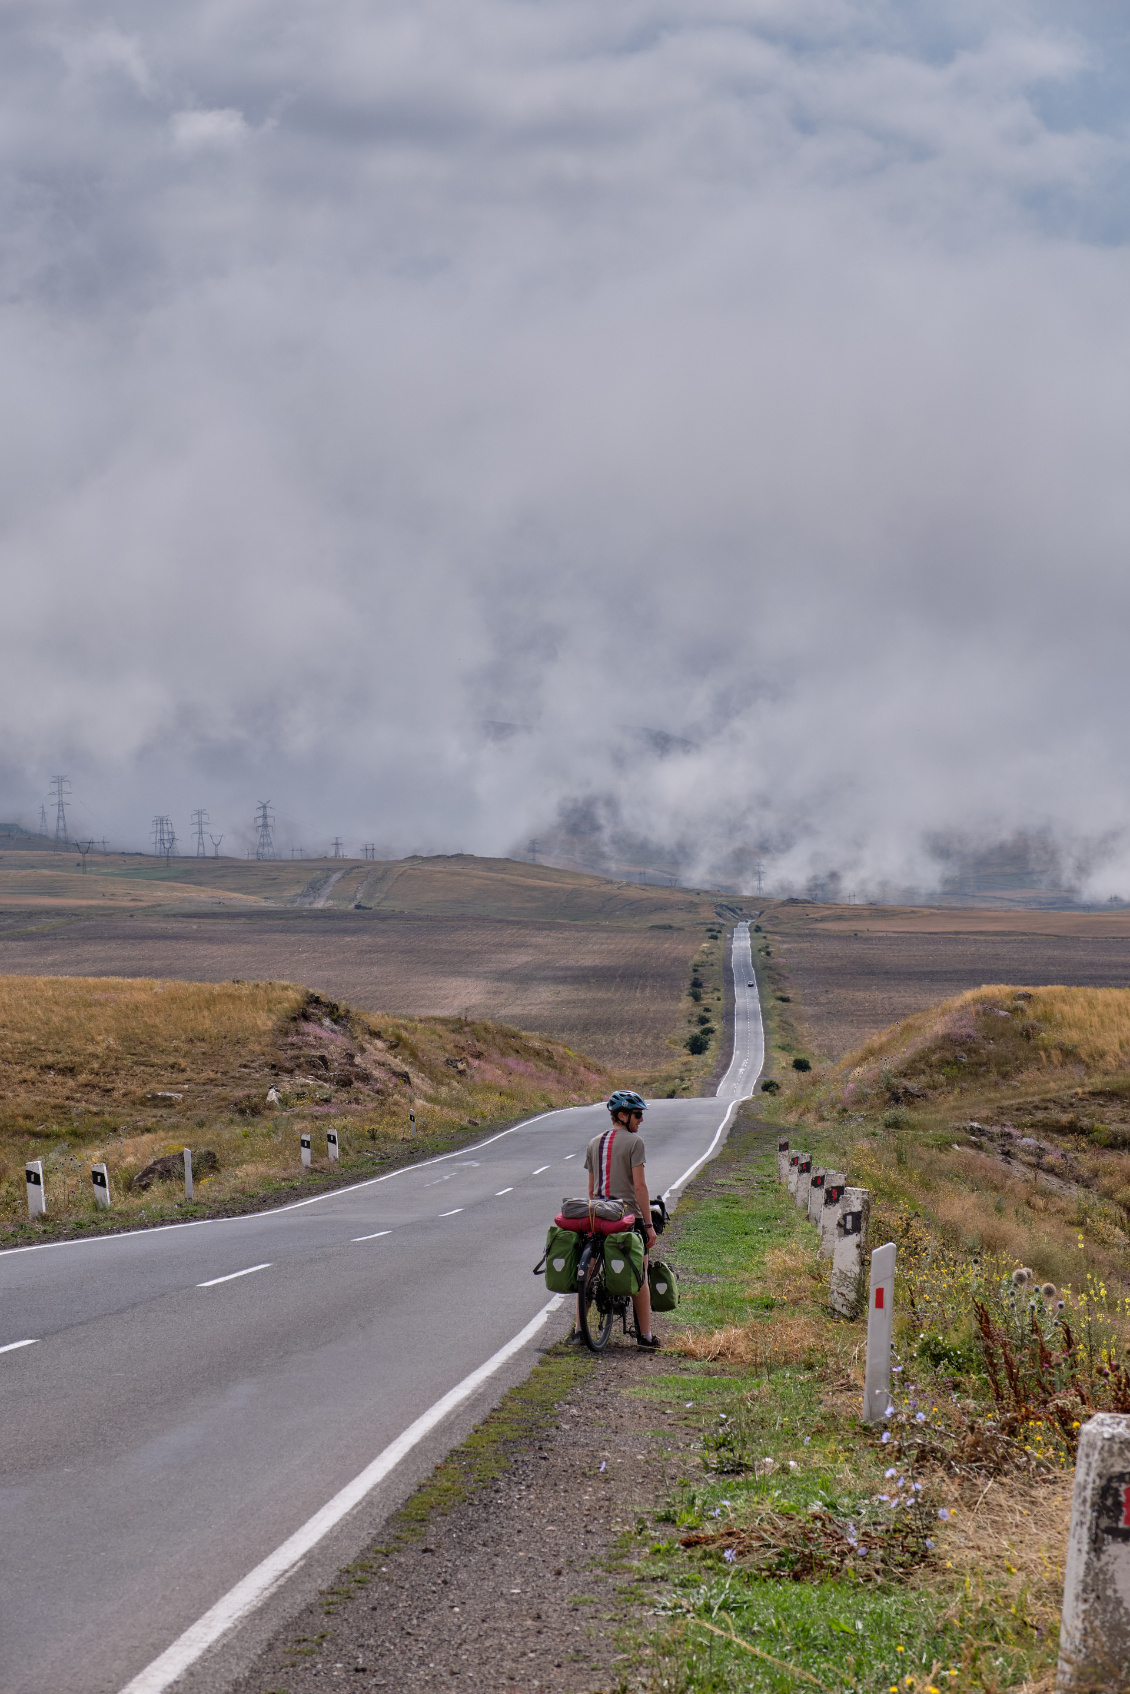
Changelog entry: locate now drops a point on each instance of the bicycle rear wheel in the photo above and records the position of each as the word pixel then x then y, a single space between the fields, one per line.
pixel 596 1306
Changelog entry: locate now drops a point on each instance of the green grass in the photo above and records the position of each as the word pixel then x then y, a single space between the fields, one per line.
pixel 713 1625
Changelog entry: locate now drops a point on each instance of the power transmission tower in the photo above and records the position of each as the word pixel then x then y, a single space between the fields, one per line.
pixel 215 840
pixel 200 818
pixel 758 871
pixel 533 851
pixel 339 849
pixel 60 786
pixel 164 838
pixel 265 841
pixel 84 848
pixel 43 822
pixel 369 850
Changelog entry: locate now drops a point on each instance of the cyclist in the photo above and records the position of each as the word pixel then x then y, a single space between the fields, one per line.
pixel 615 1163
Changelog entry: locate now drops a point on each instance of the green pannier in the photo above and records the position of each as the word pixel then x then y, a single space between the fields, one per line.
pixel 561 1260
pixel 663 1284
pixel 623 1262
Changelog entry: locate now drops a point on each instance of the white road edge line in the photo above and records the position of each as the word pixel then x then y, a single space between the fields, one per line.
pixel 231 1276
pixel 372 1237
pixel 540 1169
pixel 451 1213
pixel 295 1205
pixel 499 1192
pixel 12 1345
pixel 267 1576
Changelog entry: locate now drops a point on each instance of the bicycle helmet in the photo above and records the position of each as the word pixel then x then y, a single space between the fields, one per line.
pixel 626 1100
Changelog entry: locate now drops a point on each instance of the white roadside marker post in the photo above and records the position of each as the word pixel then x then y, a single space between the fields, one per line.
pixel 880 1320
pixel 835 1182
pixel 188 1173
pixel 816 1195
pixel 782 1161
pixel 847 1255
pixel 794 1161
pixel 1094 1633
pixel 36 1193
pixel 331 1144
pixel 100 1177
pixel 803 1182
pixel 304 1140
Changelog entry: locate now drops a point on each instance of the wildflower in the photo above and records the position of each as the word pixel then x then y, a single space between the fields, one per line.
pixel 717 1512
pixel 929 1545
pixel 944 1513
pixel 916 1487
pixel 603 1464
pixel 807 1439
pixel 886 1435
pixel 920 1417
pixel 884 1497
pixel 890 1412
pixel 889 1472
pixel 730 1556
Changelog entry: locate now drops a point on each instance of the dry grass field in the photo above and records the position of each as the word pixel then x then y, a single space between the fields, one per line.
pixel 615 993
pixel 856 969
pixel 129 1072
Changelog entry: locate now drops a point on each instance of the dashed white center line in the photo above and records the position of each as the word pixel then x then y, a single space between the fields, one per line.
pixel 452 1213
pixel 12 1345
pixel 540 1169
pixel 500 1191
pixel 569 1156
pixel 250 1271
pixel 372 1237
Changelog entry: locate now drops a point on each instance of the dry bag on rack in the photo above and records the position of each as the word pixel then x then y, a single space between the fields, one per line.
pixel 561 1260
pixel 623 1263
pixel 663 1284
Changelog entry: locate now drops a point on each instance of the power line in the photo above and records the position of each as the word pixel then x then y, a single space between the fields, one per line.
pixel 200 818
pixel 60 787
pixel 265 841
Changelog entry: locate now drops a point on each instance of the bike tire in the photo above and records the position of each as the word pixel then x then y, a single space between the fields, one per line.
pixel 596 1307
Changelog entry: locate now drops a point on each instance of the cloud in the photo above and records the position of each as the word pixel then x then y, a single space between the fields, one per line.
pixel 746 373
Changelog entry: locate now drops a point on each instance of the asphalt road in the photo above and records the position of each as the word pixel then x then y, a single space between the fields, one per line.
pixel 195 1395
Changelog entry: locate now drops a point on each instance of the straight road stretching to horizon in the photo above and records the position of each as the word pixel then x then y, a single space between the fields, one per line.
pixel 179 1404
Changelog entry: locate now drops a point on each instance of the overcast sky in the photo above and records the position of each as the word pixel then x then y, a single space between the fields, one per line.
pixel 751 372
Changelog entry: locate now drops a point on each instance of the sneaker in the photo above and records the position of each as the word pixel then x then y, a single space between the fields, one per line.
pixel 651 1342
pixel 574 1338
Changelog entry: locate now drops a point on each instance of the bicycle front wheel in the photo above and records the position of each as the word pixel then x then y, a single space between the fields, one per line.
pixel 596 1306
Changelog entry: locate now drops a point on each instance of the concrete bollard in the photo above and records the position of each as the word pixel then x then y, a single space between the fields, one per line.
pixel 880 1321
pixel 816 1195
pixel 1094 1634
pixel 304 1140
pixel 36 1193
pixel 835 1182
pixel 803 1182
pixel 188 1173
pixel 782 1161
pixel 794 1161
pixel 331 1144
pixel 100 1177
pixel 849 1252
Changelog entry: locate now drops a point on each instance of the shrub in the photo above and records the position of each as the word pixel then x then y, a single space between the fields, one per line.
pixel 770 1086
pixel 802 1065
pixel 698 1042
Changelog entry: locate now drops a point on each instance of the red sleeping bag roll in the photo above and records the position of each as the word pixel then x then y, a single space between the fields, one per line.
pixel 600 1226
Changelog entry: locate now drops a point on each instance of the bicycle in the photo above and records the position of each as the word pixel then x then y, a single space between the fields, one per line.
pixel 597 1308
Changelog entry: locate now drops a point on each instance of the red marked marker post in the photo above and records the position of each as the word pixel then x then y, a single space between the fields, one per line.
pixel 880 1319
pixel 100 1177
pixel 36 1193
pixel 782 1161
pixel 1094 1636
pixel 816 1195
pixel 848 1281
pixel 803 1182
pixel 794 1161
pixel 331 1144
pixel 835 1186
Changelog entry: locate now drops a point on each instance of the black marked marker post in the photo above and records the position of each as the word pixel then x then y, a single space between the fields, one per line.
pixel 849 1252
pixel 835 1186
pixel 803 1182
pixel 36 1193
pixel 331 1144
pixel 816 1195
pixel 100 1177
pixel 304 1141
pixel 1094 1635
pixel 782 1161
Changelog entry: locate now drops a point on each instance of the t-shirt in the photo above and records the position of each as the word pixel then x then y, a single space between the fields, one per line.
pixel 612 1157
